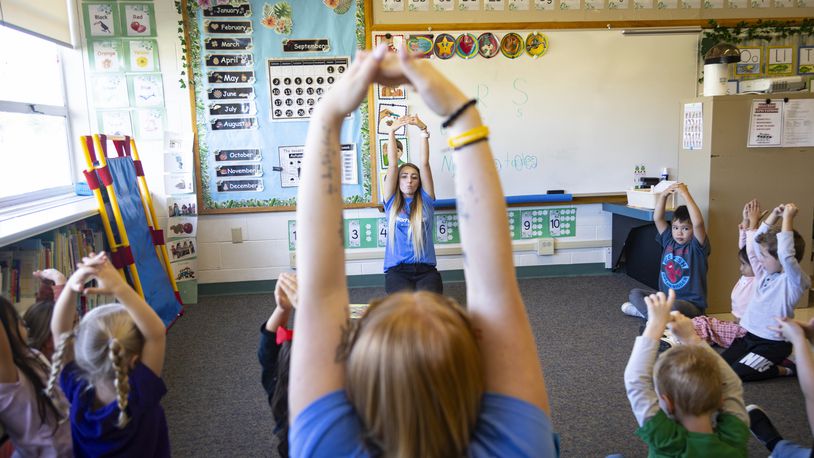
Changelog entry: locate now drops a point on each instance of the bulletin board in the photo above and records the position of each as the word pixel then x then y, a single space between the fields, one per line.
pixel 570 110
pixel 257 68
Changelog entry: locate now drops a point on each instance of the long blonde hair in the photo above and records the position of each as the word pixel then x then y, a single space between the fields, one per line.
pixel 415 376
pixel 416 230
pixel 105 342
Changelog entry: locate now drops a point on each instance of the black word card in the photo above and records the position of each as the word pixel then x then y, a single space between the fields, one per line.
pixel 240 10
pixel 228 27
pixel 251 170
pixel 296 85
pixel 228 44
pixel 229 60
pixel 240 185
pixel 252 155
pixel 233 123
pixel 226 77
pixel 226 93
pixel 238 108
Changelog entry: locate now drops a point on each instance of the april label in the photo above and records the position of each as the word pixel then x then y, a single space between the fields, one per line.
pixel 227 27
pixel 229 60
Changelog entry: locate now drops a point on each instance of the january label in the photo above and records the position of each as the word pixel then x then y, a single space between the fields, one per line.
pixel 238 155
pixel 230 77
pixel 228 44
pixel 223 93
pixel 233 123
pixel 228 27
pixel 240 185
pixel 242 10
pixel 231 108
pixel 229 60
pixel 255 170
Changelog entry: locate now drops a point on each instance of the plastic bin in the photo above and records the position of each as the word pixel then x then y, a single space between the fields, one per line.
pixel 647 198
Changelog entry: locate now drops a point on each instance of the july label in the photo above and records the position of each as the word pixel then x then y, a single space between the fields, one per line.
pixel 243 10
pixel 230 77
pixel 229 60
pixel 231 108
pixel 228 27
pixel 233 123
pixel 239 170
pixel 229 44
pixel 240 185
pixel 220 93
pixel 238 155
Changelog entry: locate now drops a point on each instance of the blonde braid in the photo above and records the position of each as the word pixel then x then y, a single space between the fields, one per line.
pixel 57 360
pixel 121 382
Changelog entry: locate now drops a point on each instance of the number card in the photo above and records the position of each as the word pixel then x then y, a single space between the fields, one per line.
pixel 359 233
pixel 381 230
pixel 292 234
pixel 562 222
pixel 353 233
pixel 418 5
pixel 469 5
pixel 518 5
pixel 442 5
pixel 493 5
pixel 544 4
pixel 390 6
pixel 446 228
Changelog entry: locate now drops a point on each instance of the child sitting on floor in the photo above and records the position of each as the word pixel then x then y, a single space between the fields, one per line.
pixel 683 261
pixel 691 402
pixel 775 256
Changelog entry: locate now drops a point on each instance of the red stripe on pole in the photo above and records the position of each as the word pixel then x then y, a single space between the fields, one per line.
pixel 123 257
pixel 139 168
pixel 93 181
pixel 158 236
pixel 104 175
pixel 91 150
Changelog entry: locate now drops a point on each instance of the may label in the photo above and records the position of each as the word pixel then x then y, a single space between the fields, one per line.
pixel 221 93
pixel 240 185
pixel 238 155
pixel 231 108
pixel 229 60
pixel 228 27
pixel 254 170
pixel 315 45
pixel 228 44
pixel 233 123
pixel 242 10
pixel 230 77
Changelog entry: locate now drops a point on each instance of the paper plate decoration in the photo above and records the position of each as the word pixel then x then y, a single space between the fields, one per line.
pixel 488 45
pixel 444 46
pixel 511 45
pixel 536 44
pixel 466 46
pixel 420 45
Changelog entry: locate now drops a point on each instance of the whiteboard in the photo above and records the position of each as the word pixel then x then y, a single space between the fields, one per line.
pixel 579 118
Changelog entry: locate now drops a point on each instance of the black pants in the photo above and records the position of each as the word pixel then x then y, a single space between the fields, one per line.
pixel 413 277
pixel 686 308
pixel 755 358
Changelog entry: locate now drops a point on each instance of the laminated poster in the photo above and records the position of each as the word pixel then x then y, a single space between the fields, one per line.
pixel 469 5
pixel 518 5
pixel 147 90
pixel 178 183
pixel 178 162
pixel 388 114
pixel 442 5
pixel 182 206
pixel 494 5
pixel 418 5
pixel 390 6
pixel 138 19
pixel 692 135
pixel 181 226
pixel 110 91
pixel 106 56
pixel 182 249
pixel 177 142
pixel 544 4
pixel 115 122
pixel 100 19
pixel 185 271
pixel 143 55
pixel 766 123
pixel 150 124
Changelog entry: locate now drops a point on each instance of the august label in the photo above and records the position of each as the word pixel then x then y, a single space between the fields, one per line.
pixel 233 123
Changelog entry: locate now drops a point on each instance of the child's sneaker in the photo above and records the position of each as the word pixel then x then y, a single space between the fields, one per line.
pixel 629 309
pixel 762 428
pixel 790 367
pixel 667 342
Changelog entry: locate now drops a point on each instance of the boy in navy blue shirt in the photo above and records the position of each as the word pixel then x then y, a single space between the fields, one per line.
pixel 684 260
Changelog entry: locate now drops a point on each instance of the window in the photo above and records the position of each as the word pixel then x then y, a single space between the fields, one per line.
pixel 35 153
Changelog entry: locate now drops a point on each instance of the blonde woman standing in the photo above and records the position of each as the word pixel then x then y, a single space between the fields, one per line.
pixel 409 195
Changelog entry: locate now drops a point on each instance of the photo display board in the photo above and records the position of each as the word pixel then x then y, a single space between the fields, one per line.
pixel 259 68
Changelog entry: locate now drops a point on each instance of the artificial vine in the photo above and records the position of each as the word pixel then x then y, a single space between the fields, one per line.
pixel 182 39
pixel 744 32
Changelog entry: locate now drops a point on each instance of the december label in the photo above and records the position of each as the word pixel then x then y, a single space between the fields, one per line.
pixel 251 154
pixel 240 185
pixel 233 123
pixel 229 60
pixel 244 27
pixel 254 170
pixel 222 93
pixel 228 44
pixel 242 10
pixel 230 77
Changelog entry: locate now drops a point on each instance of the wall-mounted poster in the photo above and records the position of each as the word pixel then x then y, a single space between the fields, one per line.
pixel 260 69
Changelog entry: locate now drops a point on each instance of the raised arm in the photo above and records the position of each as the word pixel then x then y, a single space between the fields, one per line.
pixel 658 212
pixel 147 321
pixel 512 366
pixel 323 293
pixel 391 179
pixel 797 279
pixel 795 333
pixel 699 230
pixel 64 315
pixel 423 161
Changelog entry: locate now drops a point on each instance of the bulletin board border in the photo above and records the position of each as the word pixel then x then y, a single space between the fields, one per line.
pixel 206 205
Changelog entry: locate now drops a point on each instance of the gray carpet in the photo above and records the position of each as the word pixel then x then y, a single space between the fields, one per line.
pixel 216 406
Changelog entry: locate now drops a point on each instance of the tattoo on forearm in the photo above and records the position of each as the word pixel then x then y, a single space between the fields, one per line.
pixel 328 156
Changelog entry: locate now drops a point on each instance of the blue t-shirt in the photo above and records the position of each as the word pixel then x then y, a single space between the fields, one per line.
pixel 402 251
pixel 506 427
pixel 684 268
pixel 95 432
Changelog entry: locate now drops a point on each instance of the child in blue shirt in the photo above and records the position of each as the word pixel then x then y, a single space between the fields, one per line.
pixel 112 375
pixel 684 261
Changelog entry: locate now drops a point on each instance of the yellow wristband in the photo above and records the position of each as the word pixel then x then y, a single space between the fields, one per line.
pixel 469 136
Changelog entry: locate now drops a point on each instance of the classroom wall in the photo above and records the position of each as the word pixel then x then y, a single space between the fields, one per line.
pixel 264 252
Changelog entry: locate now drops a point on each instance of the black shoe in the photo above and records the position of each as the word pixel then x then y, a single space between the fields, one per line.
pixel 762 428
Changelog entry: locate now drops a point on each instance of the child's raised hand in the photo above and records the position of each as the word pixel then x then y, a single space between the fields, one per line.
pixel 659 306
pixel 790 330
pixel 399 122
pixel 683 329
pixel 108 279
pixel 85 271
pixel 285 291
pixel 789 210
pixel 51 274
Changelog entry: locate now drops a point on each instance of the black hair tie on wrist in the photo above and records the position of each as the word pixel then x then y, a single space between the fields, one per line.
pixel 458 113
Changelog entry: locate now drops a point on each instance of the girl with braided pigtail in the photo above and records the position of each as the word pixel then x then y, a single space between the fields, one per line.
pixel 112 372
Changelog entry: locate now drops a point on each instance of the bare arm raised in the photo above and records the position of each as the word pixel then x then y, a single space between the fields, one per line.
pixel 391 179
pixel 423 161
